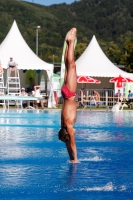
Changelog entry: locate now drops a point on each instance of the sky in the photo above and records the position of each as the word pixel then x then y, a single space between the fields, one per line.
pixel 50 2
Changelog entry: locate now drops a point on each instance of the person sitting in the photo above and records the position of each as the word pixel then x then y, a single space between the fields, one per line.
pixel 12 67
pixel 130 99
pixel 36 93
pixel 23 93
pixel 96 96
pixel 118 96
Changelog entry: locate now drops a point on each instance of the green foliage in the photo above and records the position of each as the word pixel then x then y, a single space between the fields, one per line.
pixel 109 20
pixel 79 49
pixel 114 52
pixel 127 56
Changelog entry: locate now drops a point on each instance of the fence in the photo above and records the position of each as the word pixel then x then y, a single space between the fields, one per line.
pixel 87 99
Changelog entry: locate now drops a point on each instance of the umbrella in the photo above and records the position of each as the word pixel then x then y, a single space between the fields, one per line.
pixel 87 79
pixel 119 80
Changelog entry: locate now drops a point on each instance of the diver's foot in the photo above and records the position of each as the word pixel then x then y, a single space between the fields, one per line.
pixel 71 36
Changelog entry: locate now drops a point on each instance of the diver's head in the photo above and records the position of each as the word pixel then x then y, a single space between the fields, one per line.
pixel 63 135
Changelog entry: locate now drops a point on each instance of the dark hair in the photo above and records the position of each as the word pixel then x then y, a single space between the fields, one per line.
pixel 63 135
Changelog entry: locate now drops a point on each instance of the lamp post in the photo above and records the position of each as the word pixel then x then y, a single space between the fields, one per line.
pixel 37 27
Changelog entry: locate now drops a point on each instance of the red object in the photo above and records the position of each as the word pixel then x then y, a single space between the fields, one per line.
pixel 56 97
pixel 87 79
pixel 66 93
pixel 119 80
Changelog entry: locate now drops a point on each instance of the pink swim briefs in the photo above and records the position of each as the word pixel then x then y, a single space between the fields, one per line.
pixel 66 93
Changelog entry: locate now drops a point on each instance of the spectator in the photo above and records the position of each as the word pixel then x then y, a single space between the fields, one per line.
pixel 130 98
pixel 23 93
pixel 96 97
pixel 12 67
pixel 36 93
pixel 118 96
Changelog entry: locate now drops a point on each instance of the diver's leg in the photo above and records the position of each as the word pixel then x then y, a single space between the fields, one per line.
pixel 71 78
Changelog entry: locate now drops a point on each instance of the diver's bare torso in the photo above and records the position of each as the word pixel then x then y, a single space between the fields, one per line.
pixel 69 112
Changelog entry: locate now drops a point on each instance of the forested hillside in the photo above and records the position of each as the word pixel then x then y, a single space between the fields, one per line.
pixel 110 20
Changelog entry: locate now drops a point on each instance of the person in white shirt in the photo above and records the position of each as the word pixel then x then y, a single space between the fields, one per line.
pixel 23 93
pixel 12 67
pixel 36 93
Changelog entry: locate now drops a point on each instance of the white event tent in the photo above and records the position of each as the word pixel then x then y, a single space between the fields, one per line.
pixel 15 46
pixel 93 62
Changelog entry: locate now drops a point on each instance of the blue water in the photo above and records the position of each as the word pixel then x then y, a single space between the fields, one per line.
pixel 34 164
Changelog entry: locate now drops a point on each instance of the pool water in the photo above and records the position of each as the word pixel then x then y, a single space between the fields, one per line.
pixel 34 164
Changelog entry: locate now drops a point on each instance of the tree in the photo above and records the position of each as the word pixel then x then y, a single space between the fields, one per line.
pixel 114 52
pixel 80 48
pixel 127 57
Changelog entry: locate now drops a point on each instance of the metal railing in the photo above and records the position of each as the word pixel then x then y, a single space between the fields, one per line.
pixel 106 98
pixel 88 100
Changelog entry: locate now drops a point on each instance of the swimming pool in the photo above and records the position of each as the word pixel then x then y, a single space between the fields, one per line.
pixel 34 164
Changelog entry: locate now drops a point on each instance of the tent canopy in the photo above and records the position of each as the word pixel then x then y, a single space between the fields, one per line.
pixel 15 46
pixel 93 62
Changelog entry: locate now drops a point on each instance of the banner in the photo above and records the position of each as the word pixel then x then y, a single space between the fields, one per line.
pixel 30 74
